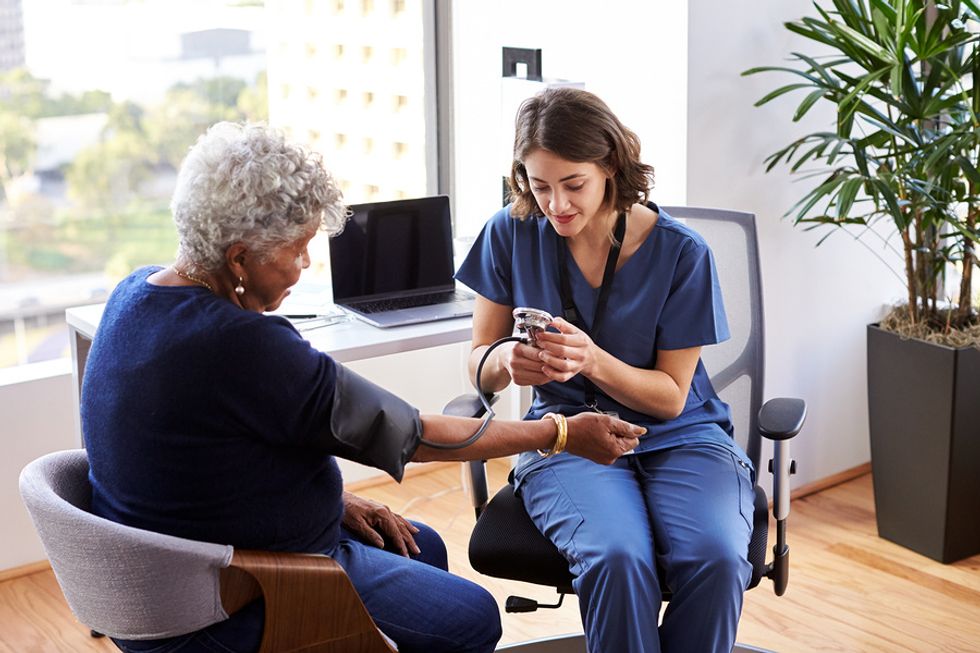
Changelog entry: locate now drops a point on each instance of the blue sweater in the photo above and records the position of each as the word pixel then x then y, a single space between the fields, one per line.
pixel 209 422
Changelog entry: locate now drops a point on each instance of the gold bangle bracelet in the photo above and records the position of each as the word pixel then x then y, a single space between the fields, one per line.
pixel 561 437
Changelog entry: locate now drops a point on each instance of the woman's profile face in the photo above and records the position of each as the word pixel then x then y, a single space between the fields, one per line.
pixel 569 193
pixel 269 281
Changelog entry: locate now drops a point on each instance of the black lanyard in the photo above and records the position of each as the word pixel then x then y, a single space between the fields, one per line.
pixel 571 314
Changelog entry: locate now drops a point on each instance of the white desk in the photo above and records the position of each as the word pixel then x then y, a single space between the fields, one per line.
pixel 345 341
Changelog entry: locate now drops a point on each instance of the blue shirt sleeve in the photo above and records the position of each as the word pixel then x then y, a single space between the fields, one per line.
pixel 693 314
pixel 281 377
pixel 488 267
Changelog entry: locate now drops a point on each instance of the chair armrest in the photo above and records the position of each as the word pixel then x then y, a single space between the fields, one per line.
pixel 475 484
pixel 779 420
pixel 310 603
pixel 782 418
pixel 474 472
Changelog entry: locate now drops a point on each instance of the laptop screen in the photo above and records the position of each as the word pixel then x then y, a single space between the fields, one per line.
pixel 393 249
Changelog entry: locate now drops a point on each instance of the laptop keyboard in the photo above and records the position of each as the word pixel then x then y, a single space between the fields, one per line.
pixel 382 305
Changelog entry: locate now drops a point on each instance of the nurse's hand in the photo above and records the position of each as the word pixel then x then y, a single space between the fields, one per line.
pixel 566 353
pixel 523 364
pixel 601 438
pixel 375 523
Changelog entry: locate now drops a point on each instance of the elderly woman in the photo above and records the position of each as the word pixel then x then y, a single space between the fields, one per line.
pixel 208 420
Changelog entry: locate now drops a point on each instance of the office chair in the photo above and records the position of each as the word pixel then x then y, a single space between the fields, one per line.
pixel 505 543
pixel 135 584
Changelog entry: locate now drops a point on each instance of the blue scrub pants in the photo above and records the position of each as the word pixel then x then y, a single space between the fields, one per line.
pixel 687 510
pixel 415 602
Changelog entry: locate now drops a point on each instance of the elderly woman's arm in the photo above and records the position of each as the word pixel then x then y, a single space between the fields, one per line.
pixel 598 437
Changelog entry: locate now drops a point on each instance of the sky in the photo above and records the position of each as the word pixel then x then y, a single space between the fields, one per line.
pixel 125 47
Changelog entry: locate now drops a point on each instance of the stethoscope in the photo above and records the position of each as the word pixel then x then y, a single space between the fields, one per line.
pixel 529 322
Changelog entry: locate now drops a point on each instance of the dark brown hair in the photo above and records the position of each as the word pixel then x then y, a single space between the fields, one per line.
pixel 577 126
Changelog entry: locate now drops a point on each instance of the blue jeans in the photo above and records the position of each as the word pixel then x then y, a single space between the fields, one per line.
pixel 416 602
pixel 686 510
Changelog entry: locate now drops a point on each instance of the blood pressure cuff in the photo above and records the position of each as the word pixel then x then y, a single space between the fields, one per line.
pixel 371 425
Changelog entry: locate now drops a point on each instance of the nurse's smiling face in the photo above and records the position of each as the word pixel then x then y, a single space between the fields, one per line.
pixel 570 194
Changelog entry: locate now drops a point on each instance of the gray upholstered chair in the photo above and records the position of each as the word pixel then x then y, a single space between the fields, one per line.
pixel 135 584
pixel 505 542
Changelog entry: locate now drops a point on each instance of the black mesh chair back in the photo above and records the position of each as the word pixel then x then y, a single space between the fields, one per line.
pixel 736 366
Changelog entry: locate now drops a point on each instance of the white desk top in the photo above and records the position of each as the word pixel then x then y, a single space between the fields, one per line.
pixel 345 341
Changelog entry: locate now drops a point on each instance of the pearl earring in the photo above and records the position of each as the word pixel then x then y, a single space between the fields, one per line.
pixel 239 289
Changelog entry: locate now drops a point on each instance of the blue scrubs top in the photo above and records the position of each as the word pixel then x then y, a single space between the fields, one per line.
pixel 666 296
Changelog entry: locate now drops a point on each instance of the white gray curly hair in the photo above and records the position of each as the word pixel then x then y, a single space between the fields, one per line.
pixel 246 183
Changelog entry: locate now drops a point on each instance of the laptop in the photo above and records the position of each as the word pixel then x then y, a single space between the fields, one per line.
pixel 393 263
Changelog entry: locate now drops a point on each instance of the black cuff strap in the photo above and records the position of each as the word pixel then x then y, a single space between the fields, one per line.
pixel 373 426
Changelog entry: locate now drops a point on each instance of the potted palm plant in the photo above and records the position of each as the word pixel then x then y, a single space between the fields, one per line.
pixel 899 171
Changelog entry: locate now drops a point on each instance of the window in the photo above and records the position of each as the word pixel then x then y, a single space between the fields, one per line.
pixel 102 132
pixel 96 113
pixel 376 97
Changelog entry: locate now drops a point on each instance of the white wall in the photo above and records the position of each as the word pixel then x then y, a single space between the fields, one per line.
pixel 818 300
pixel 36 417
pixel 610 49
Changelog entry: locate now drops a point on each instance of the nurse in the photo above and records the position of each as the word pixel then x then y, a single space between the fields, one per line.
pixel 638 297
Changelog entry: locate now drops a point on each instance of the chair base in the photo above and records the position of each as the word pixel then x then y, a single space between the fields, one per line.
pixel 575 643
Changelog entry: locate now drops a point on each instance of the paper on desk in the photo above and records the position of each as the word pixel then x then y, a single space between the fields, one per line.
pixel 309 299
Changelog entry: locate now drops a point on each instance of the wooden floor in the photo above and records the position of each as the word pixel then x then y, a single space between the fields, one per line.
pixel 849 590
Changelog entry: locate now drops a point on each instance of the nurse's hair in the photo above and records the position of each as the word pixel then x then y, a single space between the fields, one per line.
pixel 577 126
pixel 247 183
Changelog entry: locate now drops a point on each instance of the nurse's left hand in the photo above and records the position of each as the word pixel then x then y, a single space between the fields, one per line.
pixel 375 522
pixel 567 353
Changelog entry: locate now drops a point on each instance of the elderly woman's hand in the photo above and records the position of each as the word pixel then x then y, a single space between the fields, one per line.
pixel 374 522
pixel 601 438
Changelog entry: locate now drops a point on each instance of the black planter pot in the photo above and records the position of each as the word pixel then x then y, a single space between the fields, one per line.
pixel 924 410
